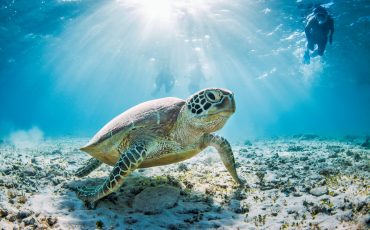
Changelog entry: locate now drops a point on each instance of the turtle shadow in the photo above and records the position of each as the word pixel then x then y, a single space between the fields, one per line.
pixel 192 208
pixel 132 186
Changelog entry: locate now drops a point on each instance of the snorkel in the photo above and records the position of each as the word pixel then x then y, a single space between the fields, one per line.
pixel 321 14
pixel 321 18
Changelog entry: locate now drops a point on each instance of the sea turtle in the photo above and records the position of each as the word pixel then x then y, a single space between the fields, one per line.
pixel 159 132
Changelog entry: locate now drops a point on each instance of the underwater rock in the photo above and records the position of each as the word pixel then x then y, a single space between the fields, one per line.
pixel 11 218
pixel 247 143
pixel 130 220
pixel 52 220
pixel 328 172
pixel 183 167
pixel 345 216
pixel 29 221
pixel 294 210
pixel 3 212
pixel 295 148
pixel 177 226
pixel 239 207
pixel 363 205
pixel 251 155
pixel 193 208
pixel 22 199
pixel 319 191
pixel 194 219
pixel 29 171
pixel 99 224
pixel 243 150
pixel 56 152
pixel 321 160
pixel 240 194
pixel 366 144
pixel 304 158
pixel 56 180
pixel 287 190
pixel 23 214
pixel 154 200
pixel 335 148
pixel 6 170
pixel 333 155
pixel 349 153
pixel 4 181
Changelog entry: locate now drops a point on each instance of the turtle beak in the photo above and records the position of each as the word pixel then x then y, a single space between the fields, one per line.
pixel 231 103
pixel 233 106
pixel 228 104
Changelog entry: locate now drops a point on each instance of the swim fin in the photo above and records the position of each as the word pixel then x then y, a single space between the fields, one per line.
pixel 306 58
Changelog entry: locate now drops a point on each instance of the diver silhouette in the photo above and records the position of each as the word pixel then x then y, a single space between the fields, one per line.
pixel 164 79
pixel 196 76
pixel 319 26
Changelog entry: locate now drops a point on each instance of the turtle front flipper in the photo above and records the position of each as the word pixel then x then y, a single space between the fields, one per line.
pixel 127 163
pixel 89 166
pixel 224 150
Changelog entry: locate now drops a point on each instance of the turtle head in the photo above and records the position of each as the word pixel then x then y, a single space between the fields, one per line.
pixel 209 109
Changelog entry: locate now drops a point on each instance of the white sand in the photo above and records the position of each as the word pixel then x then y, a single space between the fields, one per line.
pixel 292 184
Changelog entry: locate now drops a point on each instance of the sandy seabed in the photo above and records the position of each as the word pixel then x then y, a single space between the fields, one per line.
pixel 305 182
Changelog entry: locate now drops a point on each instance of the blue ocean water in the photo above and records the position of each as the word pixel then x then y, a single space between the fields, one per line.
pixel 68 66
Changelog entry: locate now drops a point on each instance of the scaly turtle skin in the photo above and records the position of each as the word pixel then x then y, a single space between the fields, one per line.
pixel 159 132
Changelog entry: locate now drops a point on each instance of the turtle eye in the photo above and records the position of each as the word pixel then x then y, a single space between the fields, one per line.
pixel 213 96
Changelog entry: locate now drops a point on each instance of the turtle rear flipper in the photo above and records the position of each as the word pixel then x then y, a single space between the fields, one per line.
pixel 127 163
pixel 89 166
pixel 85 192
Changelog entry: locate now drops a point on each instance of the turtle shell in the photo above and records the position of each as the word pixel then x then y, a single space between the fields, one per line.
pixel 152 118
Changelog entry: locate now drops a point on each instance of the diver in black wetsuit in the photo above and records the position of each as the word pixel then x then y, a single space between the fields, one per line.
pixel 317 30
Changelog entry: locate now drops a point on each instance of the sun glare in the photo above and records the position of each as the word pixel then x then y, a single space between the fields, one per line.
pixel 167 11
pixel 156 9
pixel 124 44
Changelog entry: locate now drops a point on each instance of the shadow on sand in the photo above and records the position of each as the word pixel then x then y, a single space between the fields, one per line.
pixel 191 209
